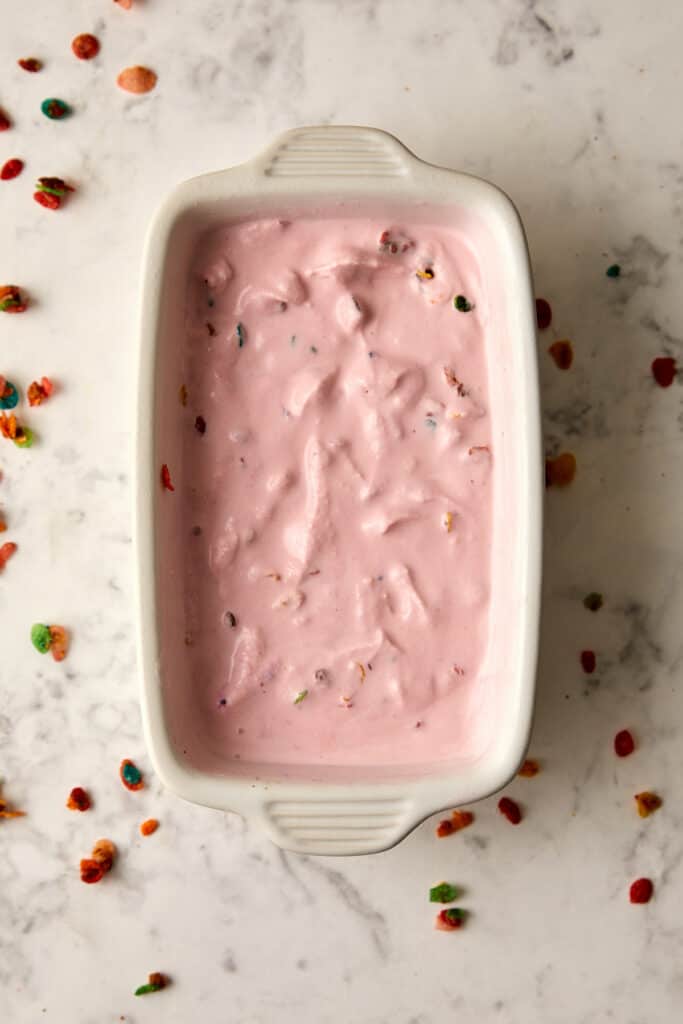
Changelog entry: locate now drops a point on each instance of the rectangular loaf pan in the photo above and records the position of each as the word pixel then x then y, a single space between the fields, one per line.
pixel 309 809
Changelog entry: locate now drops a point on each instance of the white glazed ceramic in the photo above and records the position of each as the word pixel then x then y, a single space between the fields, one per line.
pixel 308 169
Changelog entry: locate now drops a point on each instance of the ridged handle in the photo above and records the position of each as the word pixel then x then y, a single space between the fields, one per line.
pixel 337 151
pixel 337 826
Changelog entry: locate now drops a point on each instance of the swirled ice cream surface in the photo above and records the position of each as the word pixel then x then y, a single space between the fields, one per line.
pixel 336 492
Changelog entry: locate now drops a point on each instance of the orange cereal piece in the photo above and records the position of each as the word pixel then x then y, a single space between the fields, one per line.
pixel 137 79
pixel 149 826
pixel 560 471
pixel 103 853
pixel 647 803
pixel 6 552
pixel 529 769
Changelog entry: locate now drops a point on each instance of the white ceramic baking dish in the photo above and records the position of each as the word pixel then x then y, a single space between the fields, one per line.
pixel 327 810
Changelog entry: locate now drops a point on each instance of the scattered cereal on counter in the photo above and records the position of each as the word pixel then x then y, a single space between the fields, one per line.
pixel 51 191
pixel 78 800
pixel 301 696
pixel 593 601
pixel 6 811
pixel 444 892
pixel 166 478
pixel 588 662
pixel 624 744
pixel 450 920
pixel 241 336
pixel 510 810
pixel 458 821
pixel 9 396
pixel 529 769
pixel 11 169
pixel 39 391
pixel 462 304
pixel 85 46
pixel 149 826
pixel 50 638
pixel 55 109
pixel 131 776
pixel 664 371
pixel 5 122
pixel 647 803
pixel 562 354
pixel 13 431
pixel 641 891
pixel 155 983
pixel 613 271
pixel 31 64
pixel 137 79
pixel 6 552
pixel 561 470
pixel 544 314
pixel 11 299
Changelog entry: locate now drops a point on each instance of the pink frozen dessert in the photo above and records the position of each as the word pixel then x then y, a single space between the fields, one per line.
pixel 335 484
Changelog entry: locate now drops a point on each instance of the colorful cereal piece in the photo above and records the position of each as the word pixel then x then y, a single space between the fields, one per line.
pixel 40 637
pixel 7 812
pixel 458 821
pixel 562 354
pixel 6 552
pixel 624 744
pixel 91 871
pixel 51 191
pixel 149 826
pixel 39 391
pixel 510 810
pixel 9 396
pixel 588 662
pixel 125 4
pixel 11 169
pixel 11 299
pixel 641 890
pixel 103 852
pixel 137 79
pixel 50 202
pixel 444 892
pixel 561 470
pixel 664 371
pixel 59 642
pixel 529 769
pixel 450 920
pixel 131 776
pixel 155 983
pixel 23 437
pixel 31 64
pixel 593 602
pixel 166 478
pixel 78 800
pixel 647 803
pixel 544 314
pixel 55 109
pixel 85 46
pixel 613 271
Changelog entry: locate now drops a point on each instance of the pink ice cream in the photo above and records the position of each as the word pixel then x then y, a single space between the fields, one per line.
pixel 336 493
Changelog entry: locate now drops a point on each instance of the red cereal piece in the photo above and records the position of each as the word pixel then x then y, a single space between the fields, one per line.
pixel 544 314
pixel 166 478
pixel 11 299
pixel 39 391
pixel 450 920
pixel 641 891
pixel 510 810
pixel 91 871
pixel 47 200
pixel 85 46
pixel 31 64
pixel 560 471
pixel 5 122
pixel 6 552
pixel 664 371
pixel 11 169
pixel 588 662
pixel 529 769
pixel 445 828
pixel 149 826
pixel 562 354
pixel 624 743
pixel 78 800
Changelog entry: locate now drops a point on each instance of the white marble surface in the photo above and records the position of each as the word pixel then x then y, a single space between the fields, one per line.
pixel 573 108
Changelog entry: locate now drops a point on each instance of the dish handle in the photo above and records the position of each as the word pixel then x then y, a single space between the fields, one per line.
pixel 338 826
pixel 340 151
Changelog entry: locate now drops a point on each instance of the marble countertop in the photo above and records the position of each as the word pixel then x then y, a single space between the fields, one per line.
pixel 572 108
